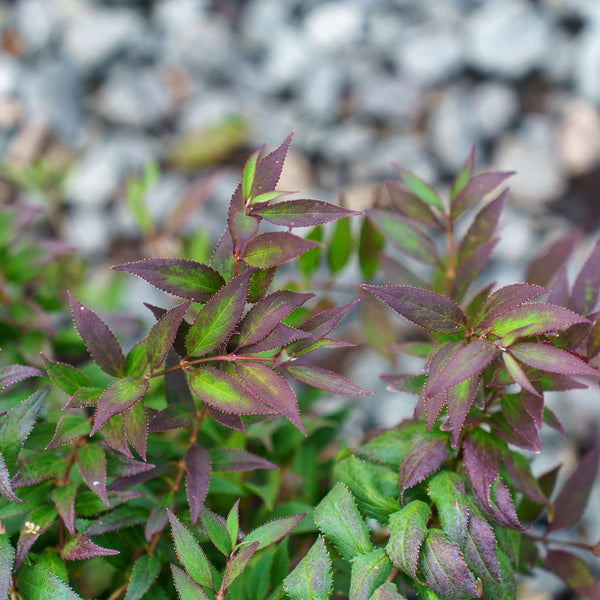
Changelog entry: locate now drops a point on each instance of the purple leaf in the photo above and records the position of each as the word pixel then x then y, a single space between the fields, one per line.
pixel 479 549
pixel 271 388
pixel 83 398
pixel 408 529
pixel 242 228
pixel 593 342
pixel 395 273
pixel 405 236
pixel 521 422
pixel 548 358
pixel 158 516
pixel 227 419
pixel 534 405
pixel 559 285
pixel 519 469
pixel 177 276
pixel 476 189
pixel 64 500
pixel 574 572
pixel 98 338
pixel 172 417
pixel 465 362
pixel 92 466
pixel 571 501
pixel 136 427
pixel 238 563
pixel 302 213
pixel 11 374
pixel 422 307
pixel 118 465
pixel 532 319
pixel 275 248
pixel 505 298
pixel 5 488
pixel 162 335
pixel 584 295
pixel 82 547
pixel 117 398
pixel 280 336
pixel 224 392
pixel 543 268
pixel 197 466
pixel 222 256
pixel 444 568
pixel 324 379
pixel 482 462
pixel 37 522
pixel 113 433
pixel 471 268
pixel 268 169
pixel 259 284
pixel 460 399
pixel 217 319
pixel 504 512
pixel 266 315
pixel 232 460
pixel 425 456
pixel 124 483
pixel 482 228
pixel 552 421
pixel 410 205
pixel 516 373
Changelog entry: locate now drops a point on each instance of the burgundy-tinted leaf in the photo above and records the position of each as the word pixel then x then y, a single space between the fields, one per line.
pixel 504 512
pixel 460 399
pixel 275 248
pixel 302 213
pixel 217 319
pixel 5 488
pixel 584 295
pixel 548 358
pixel 177 390
pixel 117 398
pixel 410 205
pixel 479 549
pixel 482 462
pixel 113 433
pixel 83 398
pixel 544 266
pixel 266 315
pixel 158 517
pixel 224 392
pixel 227 419
pixel 593 343
pixel 516 373
pixel 64 500
pixel 197 466
pixel 405 236
pixel 534 405
pixel 475 190
pixel 482 228
pixel 326 380
pixel 444 568
pixel 98 338
pixel 230 459
pixel 272 389
pixel 519 470
pixel 92 466
pixel 505 298
pixel 464 363
pixel 11 374
pixel 325 344
pixel 280 336
pixel 162 335
pixel 136 427
pixel 425 457
pixel 471 268
pixel 573 497
pixel 238 563
pixel 574 572
pixel 37 522
pixel 82 547
pixel 172 417
pixel 395 273
pixel 559 285
pixel 520 421
pixel 242 228
pixel 552 421
pixel 177 276
pixel 268 169
pixel 124 483
pixel 426 309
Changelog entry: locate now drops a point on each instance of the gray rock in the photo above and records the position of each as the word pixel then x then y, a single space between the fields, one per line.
pixel 586 63
pixel 38 23
pixel 207 107
pixel 51 92
pixel 452 130
pixel 133 96
pixel 532 152
pixel 96 36
pixel 508 38
pixel 334 25
pixel 89 230
pixel 9 75
pixel 493 107
pixel 319 96
pixel 173 15
pixel 99 173
pixel 260 19
pixel 431 54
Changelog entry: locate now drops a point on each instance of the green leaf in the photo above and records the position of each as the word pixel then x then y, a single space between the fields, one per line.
pixel 136 360
pixel 67 378
pixel 69 428
pixel 340 522
pixel 408 528
pixel 217 532
pixel 420 188
pixel 248 174
pixel 189 553
pixel 275 248
pixel 36 583
pixel 312 578
pixel 369 571
pixel 7 560
pixel 273 531
pixel 308 263
pixel 144 573
pixel 238 563
pixel 447 490
pixel 340 245
pixel 370 244
pixel 387 591
pixel 217 319
pixel 186 587
pixel 233 522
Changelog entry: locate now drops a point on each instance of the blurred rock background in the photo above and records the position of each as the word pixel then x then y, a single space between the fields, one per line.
pixel 91 92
